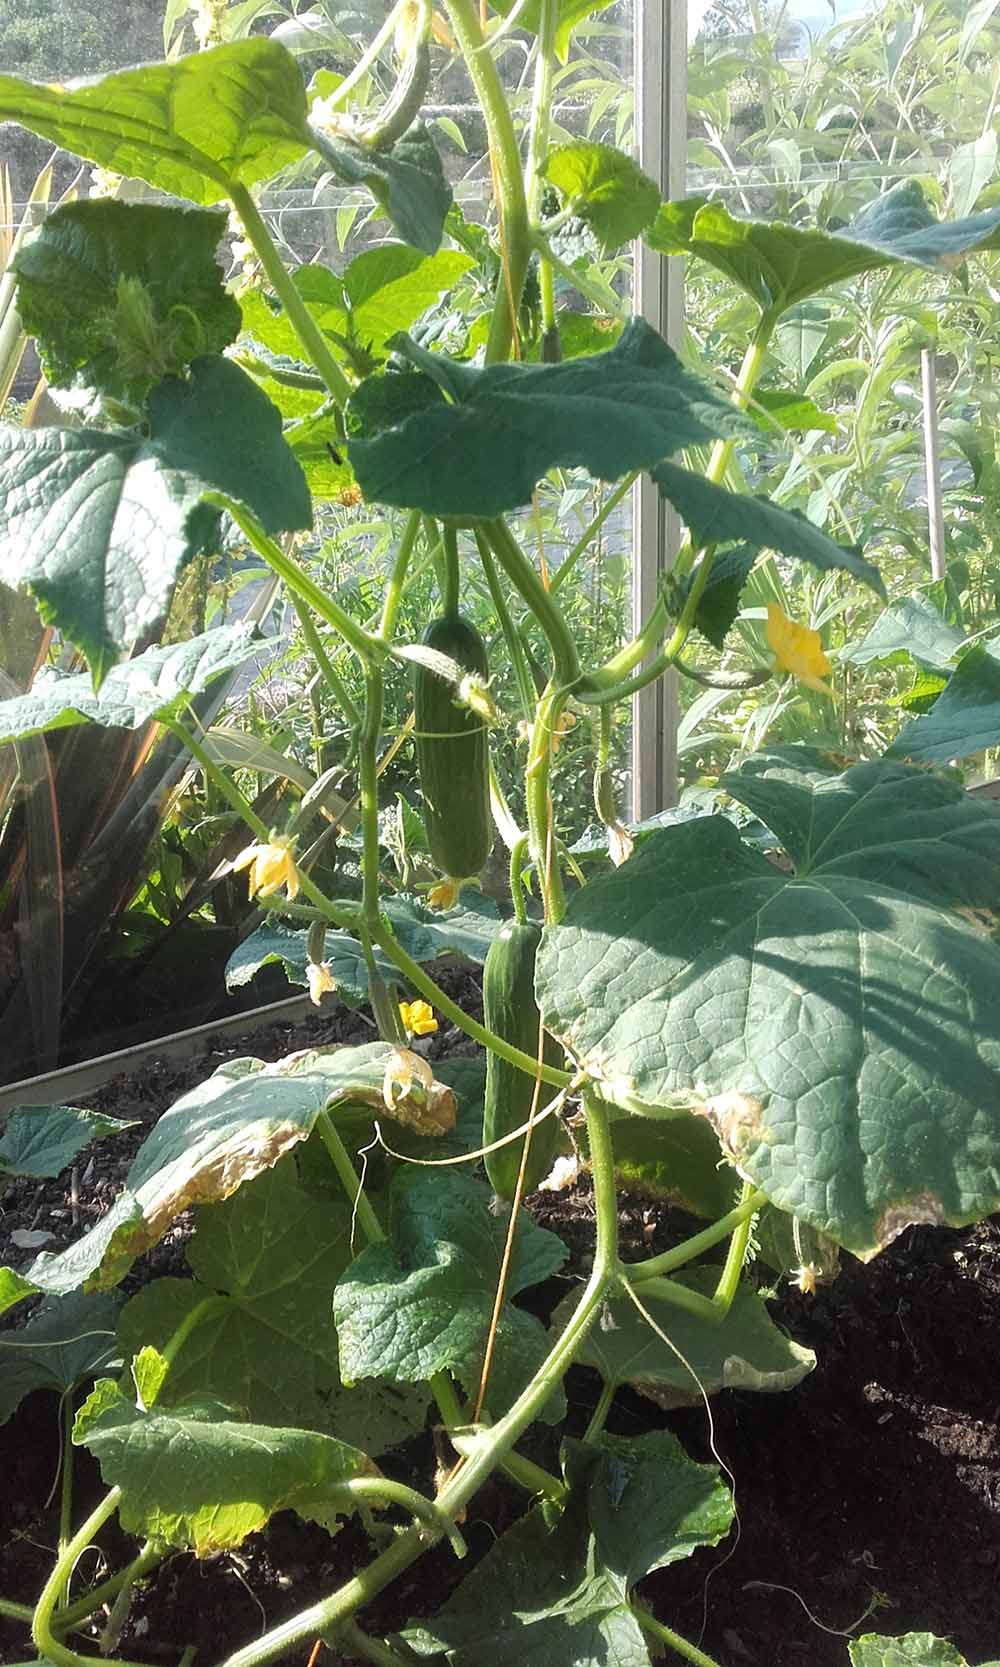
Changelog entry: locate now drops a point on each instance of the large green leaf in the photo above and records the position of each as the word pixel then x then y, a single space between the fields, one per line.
pixel 66 1341
pixel 746 1350
pixel 239 1122
pixel 838 1021
pixel 964 719
pixel 482 450
pixel 382 291
pixel 557 1587
pixel 912 627
pixel 913 1649
pixel 779 265
pixel 157 684
pixel 605 188
pixel 276 1252
pixel 191 1477
pixel 676 1160
pixel 120 294
pixel 422 1303
pixel 234 115
pixel 716 516
pixel 42 1141
pixel 99 525
pixel 408 181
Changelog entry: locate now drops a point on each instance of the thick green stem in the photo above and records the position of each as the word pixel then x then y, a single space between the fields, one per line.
pixel 512 207
pixel 538 801
pixel 397 578
pixel 66 1486
pixel 669 1260
pixel 349 1636
pixel 547 611
pixel 422 981
pixel 368 740
pixel 714 1308
pixel 673 1640
pixel 43 1636
pixel 281 562
pixel 364 1215
pixel 16 1611
pixel 450 589
pixel 518 855
pixel 515 647
pixel 314 343
pixel 601 1411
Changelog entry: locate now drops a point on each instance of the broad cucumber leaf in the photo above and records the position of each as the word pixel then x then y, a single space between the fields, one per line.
pixel 837 1021
pixel 964 719
pixel 382 291
pixel 779 265
pixel 482 449
pixel 66 1341
pixel 119 295
pixel 408 182
pixel 422 1303
pixel 605 188
pixel 914 1649
pixel 746 1350
pixel 156 684
pixel 193 1478
pixel 557 1587
pixel 276 1252
pixel 716 516
pixel 239 1122
pixel 233 115
pixel 424 933
pixel 99 525
pixel 911 627
pixel 14 1289
pixel 42 1141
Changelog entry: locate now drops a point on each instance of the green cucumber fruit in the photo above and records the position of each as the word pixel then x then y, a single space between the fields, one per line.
pixel 509 1010
pixel 453 754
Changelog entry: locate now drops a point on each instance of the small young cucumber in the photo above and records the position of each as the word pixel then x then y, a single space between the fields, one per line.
pixel 453 754
pixel 509 1010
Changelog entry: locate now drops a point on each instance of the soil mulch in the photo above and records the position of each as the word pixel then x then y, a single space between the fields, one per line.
pixel 875 1483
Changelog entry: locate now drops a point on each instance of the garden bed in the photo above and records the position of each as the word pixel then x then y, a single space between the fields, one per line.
pixel 880 1474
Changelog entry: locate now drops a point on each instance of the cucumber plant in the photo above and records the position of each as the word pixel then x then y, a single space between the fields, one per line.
pixel 811 1044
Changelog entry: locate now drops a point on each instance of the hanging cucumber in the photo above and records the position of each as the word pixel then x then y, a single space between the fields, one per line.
pixel 453 753
pixel 509 1010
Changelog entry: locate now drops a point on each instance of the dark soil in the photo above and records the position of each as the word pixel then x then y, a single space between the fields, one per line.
pixel 875 1482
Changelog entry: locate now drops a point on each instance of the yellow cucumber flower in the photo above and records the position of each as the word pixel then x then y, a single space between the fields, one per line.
pixel 797 649
pixel 444 896
pixel 319 977
pixel 418 1018
pixel 271 867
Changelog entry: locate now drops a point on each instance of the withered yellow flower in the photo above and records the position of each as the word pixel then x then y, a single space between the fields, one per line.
pixel 412 1096
pixel 444 896
pixel 271 867
pixel 319 977
pixel 418 1018
pixel 797 649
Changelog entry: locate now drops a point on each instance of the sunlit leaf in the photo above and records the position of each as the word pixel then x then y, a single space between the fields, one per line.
pixel 69 293
pixel 964 719
pixel 42 1141
pixel 408 181
pixel 191 128
pixel 837 1021
pixel 605 188
pixel 910 627
pixel 194 1478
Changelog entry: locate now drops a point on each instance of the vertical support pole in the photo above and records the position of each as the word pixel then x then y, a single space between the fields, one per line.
pixel 932 461
pixel 660 68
